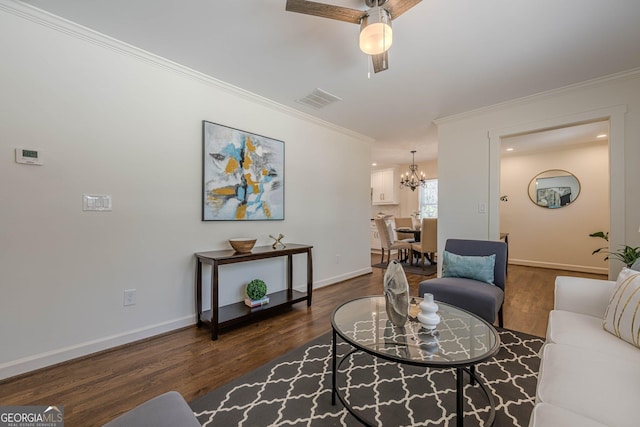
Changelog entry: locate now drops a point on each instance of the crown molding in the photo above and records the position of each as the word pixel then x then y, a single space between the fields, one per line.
pixel 70 28
pixel 599 81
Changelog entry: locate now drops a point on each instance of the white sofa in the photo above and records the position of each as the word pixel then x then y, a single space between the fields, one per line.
pixel 588 377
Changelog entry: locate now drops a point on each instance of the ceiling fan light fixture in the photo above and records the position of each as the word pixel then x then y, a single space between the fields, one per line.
pixel 376 35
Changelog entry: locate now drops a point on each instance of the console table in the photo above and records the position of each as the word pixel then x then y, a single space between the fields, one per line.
pixel 228 315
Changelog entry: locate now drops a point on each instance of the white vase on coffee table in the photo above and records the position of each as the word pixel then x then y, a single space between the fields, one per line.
pixel 428 316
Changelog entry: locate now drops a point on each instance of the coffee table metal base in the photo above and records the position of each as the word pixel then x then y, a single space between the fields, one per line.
pixel 459 386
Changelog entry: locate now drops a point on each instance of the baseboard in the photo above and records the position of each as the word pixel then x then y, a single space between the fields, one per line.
pixel 49 358
pixel 555 266
pixel 342 277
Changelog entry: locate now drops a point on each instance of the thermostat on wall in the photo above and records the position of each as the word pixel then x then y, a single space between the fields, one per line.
pixel 28 156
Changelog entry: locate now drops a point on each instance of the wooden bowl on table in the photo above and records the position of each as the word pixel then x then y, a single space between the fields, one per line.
pixel 242 244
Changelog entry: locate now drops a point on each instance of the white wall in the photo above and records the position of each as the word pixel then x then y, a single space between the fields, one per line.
pixel 111 119
pixel 557 238
pixel 469 154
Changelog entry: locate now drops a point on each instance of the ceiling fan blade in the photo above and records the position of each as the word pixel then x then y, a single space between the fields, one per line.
pixel 380 62
pixel 398 7
pixel 325 10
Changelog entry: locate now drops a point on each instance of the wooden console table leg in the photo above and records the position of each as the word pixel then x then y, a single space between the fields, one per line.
pixel 289 275
pixel 199 292
pixel 214 301
pixel 309 277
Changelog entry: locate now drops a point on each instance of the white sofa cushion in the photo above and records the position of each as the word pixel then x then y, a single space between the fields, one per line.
pixel 622 317
pixel 546 415
pixel 595 385
pixel 586 332
pixel 582 295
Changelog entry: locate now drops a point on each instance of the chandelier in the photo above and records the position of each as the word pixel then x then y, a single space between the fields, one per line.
pixel 412 179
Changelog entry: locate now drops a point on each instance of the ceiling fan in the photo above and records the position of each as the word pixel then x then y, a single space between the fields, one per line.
pixel 376 35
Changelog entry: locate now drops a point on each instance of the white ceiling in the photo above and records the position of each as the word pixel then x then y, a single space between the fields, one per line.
pixel 448 56
pixel 553 139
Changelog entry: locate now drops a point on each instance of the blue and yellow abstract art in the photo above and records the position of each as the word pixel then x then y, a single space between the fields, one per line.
pixel 243 175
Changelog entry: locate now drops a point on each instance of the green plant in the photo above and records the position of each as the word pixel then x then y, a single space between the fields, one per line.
pixel 627 254
pixel 256 289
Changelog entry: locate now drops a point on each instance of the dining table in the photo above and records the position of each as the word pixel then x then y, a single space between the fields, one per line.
pixel 414 231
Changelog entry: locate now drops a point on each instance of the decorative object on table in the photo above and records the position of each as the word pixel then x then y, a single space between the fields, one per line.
pixel 278 241
pixel 242 244
pixel 256 303
pixel 429 341
pixel 243 175
pixel 396 294
pixel 412 179
pixel 627 254
pixel 256 291
pixel 428 316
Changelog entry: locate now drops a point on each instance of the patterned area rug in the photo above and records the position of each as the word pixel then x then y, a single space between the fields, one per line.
pixel 295 390
pixel 428 270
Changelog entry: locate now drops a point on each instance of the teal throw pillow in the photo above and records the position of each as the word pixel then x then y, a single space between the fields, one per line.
pixel 470 267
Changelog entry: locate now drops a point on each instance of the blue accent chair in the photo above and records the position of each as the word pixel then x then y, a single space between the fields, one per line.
pixel 483 299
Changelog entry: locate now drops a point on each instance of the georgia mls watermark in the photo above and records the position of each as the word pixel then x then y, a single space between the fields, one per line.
pixel 31 416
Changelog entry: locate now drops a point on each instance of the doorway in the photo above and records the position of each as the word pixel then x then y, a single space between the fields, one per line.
pixel 549 224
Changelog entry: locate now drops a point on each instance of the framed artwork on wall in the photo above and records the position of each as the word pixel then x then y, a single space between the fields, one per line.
pixel 242 175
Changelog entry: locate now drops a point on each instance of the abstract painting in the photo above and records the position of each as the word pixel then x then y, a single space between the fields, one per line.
pixel 243 175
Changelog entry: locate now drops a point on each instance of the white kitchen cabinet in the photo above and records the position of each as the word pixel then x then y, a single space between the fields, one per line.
pixel 375 237
pixel 384 187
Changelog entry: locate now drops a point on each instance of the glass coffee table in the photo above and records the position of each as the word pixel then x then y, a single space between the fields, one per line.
pixel 460 341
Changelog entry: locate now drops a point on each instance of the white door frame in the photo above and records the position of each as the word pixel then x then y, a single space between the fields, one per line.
pixel 617 218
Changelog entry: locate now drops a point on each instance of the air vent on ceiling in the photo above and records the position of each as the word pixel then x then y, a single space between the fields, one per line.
pixel 319 99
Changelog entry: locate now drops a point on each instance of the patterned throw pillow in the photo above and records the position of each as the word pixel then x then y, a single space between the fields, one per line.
pixel 470 267
pixel 622 317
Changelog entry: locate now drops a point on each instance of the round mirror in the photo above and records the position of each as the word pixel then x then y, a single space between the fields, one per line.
pixel 554 188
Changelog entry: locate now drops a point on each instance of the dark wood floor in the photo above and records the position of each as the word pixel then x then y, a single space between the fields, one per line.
pixel 95 389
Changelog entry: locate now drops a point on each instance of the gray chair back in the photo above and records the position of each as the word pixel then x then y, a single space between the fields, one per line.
pixel 483 248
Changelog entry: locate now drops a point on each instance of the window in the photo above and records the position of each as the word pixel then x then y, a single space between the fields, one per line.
pixel 429 199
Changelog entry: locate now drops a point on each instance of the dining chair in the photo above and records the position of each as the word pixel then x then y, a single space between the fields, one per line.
pixel 404 222
pixel 427 247
pixel 387 240
pixel 473 278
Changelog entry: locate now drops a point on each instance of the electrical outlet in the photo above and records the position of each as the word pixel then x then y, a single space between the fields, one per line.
pixel 130 297
pixel 337 259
